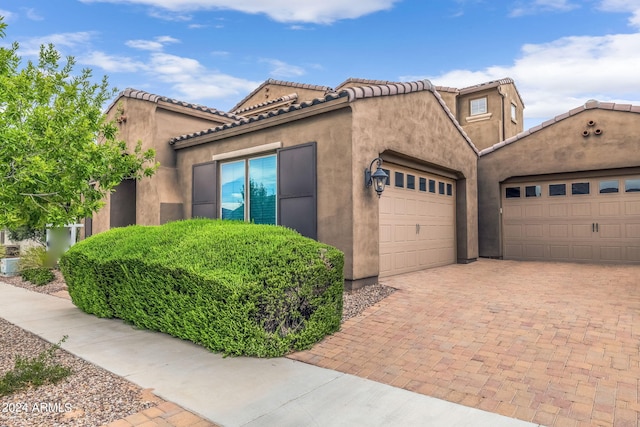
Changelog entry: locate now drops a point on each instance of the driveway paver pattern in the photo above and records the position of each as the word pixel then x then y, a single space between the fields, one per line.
pixel 552 343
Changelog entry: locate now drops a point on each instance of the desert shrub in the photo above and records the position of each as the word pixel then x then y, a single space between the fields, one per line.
pixel 233 287
pixel 38 276
pixel 34 372
pixel 34 257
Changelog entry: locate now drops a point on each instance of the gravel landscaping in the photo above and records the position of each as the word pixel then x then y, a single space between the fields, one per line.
pixel 91 396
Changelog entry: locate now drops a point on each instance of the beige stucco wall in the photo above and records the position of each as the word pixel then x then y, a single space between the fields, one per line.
pixel 332 133
pixel 486 131
pixel 511 127
pixel 450 97
pixel 497 125
pixel 414 125
pixel 558 148
pixel 154 124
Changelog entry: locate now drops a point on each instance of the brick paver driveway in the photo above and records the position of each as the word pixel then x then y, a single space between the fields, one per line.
pixel 552 343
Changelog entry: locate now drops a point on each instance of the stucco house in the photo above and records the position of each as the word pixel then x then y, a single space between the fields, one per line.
pixel 295 154
pixel 566 190
pixel 301 151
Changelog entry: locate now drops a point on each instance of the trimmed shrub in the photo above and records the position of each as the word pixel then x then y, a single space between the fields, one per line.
pixel 38 276
pixel 233 287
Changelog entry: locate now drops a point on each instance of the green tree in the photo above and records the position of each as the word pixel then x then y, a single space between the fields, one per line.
pixel 59 156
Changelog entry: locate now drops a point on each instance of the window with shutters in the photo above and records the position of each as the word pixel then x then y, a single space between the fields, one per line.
pixel 259 176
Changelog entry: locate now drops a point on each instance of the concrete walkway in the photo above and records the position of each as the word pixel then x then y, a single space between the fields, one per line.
pixel 232 391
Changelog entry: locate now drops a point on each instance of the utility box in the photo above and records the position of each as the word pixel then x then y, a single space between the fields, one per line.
pixel 9 266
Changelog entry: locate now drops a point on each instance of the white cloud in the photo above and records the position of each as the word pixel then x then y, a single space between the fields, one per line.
pixel 556 77
pixel 541 6
pixel 33 15
pixel 156 44
pixel 623 6
pixel 111 63
pixel 8 16
pixel 165 15
pixel 282 69
pixel 190 80
pixel 322 12
pixel 62 41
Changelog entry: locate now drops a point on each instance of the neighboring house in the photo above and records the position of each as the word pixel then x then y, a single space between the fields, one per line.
pixel 295 154
pixel 567 190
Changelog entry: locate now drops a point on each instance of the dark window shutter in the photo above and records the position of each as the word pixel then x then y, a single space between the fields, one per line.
pixel 88 227
pixel 204 200
pixel 123 204
pixel 297 193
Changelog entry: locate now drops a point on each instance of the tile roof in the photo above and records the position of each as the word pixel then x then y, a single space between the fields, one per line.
pixel 352 93
pixel 486 85
pixel 246 120
pixel 146 96
pixel 479 87
pixel 589 105
pixel 291 97
pixel 362 82
pixel 325 89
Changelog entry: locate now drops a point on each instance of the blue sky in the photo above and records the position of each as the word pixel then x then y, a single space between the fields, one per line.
pixel 561 53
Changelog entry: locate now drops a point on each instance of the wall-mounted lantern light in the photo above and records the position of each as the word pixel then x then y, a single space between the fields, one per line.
pixel 378 178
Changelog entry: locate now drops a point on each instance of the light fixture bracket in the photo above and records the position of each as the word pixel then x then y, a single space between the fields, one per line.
pixel 377 179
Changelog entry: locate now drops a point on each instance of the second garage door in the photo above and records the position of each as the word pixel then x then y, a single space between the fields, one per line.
pixel 586 220
pixel 417 221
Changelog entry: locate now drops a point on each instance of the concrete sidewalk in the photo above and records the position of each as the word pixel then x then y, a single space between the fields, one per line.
pixel 232 391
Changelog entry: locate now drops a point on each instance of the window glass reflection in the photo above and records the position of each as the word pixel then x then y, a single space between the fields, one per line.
pixel 262 190
pixel 631 185
pixel 232 190
pixel 533 191
pixel 580 188
pixel 609 186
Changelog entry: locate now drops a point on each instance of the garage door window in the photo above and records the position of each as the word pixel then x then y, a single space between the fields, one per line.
pixel 449 190
pixel 609 187
pixel 557 189
pixel 432 186
pixel 578 188
pixel 512 192
pixel 533 191
pixel 399 180
pixel 441 187
pixel 411 182
pixel 631 185
pixel 423 184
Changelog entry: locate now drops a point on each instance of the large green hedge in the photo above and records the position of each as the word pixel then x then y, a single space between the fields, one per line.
pixel 233 287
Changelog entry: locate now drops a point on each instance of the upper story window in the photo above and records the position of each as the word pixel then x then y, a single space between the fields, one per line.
pixel 478 106
pixel 514 113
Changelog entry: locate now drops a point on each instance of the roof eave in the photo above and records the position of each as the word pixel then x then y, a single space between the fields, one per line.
pixel 211 135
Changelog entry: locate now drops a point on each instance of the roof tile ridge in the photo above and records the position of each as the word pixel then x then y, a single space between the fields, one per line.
pixel 290 97
pixel 242 120
pixel 589 105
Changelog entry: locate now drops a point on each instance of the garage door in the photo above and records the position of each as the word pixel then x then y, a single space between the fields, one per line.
pixel 587 220
pixel 417 221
